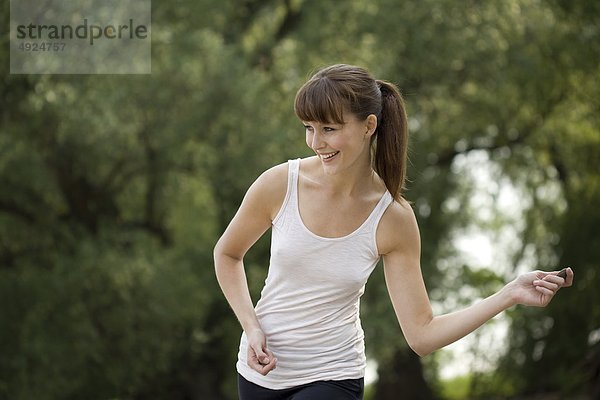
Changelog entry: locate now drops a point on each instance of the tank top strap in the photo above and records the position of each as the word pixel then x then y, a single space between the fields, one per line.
pixel 293 170
pixel 293 173
pixel 291 197
pixel 379 209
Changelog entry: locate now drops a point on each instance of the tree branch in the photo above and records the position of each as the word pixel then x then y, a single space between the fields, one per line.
pixel 11 207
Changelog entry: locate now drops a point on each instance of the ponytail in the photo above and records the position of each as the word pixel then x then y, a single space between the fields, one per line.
pixel 391 146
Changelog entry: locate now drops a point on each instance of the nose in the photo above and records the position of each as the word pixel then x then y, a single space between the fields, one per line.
pixel 316 140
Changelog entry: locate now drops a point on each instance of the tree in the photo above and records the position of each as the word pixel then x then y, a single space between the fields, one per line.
pixel 115 188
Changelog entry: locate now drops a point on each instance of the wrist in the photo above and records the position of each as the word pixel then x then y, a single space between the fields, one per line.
pixel 252 327
pixel 508 295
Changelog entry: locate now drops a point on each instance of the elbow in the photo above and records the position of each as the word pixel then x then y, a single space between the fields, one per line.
pixel 218 254
pixel 421 337
pixel 223 257
pixel 217 250
pixel 420 346
pixel 420 350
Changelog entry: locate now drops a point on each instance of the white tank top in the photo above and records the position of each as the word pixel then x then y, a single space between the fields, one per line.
pixel 309 306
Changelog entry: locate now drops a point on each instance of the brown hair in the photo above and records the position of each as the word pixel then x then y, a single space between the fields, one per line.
pixel 338 88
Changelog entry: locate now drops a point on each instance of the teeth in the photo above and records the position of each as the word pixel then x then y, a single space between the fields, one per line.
pixel 328 156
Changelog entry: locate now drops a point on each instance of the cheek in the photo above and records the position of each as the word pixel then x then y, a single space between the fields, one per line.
pixel 344 142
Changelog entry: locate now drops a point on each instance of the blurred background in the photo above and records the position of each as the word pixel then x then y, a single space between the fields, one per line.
pixel 114 189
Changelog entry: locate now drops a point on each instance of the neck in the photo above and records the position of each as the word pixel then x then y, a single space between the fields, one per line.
pixel 350 182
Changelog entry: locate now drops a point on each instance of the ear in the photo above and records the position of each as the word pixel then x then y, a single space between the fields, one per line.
pixel 371 124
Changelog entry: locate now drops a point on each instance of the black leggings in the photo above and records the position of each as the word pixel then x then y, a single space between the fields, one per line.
pixel 348 389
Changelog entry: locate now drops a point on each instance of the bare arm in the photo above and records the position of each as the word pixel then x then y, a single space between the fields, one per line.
pixel 252 220
pixel 425 332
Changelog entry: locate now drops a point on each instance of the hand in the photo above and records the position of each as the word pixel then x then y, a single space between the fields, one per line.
pixel 538 287
pixel 259 357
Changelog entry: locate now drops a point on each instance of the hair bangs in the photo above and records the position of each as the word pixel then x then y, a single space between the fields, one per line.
pixel 319 100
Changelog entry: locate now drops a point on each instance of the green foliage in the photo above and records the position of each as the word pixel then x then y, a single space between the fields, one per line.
pixel 98 323
pixel 369 392
pixel 114 189
pixel 468 386
pixel 457 388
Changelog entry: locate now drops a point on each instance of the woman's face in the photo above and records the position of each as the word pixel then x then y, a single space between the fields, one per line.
pixel 340 146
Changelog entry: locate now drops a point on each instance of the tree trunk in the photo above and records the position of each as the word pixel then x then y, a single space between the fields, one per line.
pixel 402 378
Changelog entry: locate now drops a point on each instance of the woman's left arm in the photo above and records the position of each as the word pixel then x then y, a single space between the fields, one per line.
pixel 423 331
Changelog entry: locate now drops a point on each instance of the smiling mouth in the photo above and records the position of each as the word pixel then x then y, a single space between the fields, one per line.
pixel 327 156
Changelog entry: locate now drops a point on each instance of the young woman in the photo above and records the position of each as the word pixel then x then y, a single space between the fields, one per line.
pixel 333 215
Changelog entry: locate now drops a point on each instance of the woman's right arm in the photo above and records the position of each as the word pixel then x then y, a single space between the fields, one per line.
pixel 260 205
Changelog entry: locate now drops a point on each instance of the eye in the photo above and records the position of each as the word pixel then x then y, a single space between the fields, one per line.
pixel 328 129
pixel 308 128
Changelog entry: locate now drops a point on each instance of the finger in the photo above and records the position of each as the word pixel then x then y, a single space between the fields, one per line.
pixel 570 276
pixel 264 369
pixel 566 274
pixel 559 281
pixel 268 358
pixel 544 291
pixel 270 366
pixel 562 273
pixel 269 354
pixel 256 365
pixel 261 357
pixel 546 283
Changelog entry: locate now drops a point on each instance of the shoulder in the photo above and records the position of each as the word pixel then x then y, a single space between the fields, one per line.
pixel 269 189
pixel 273 179
pixel 398 230
pixel 310 167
